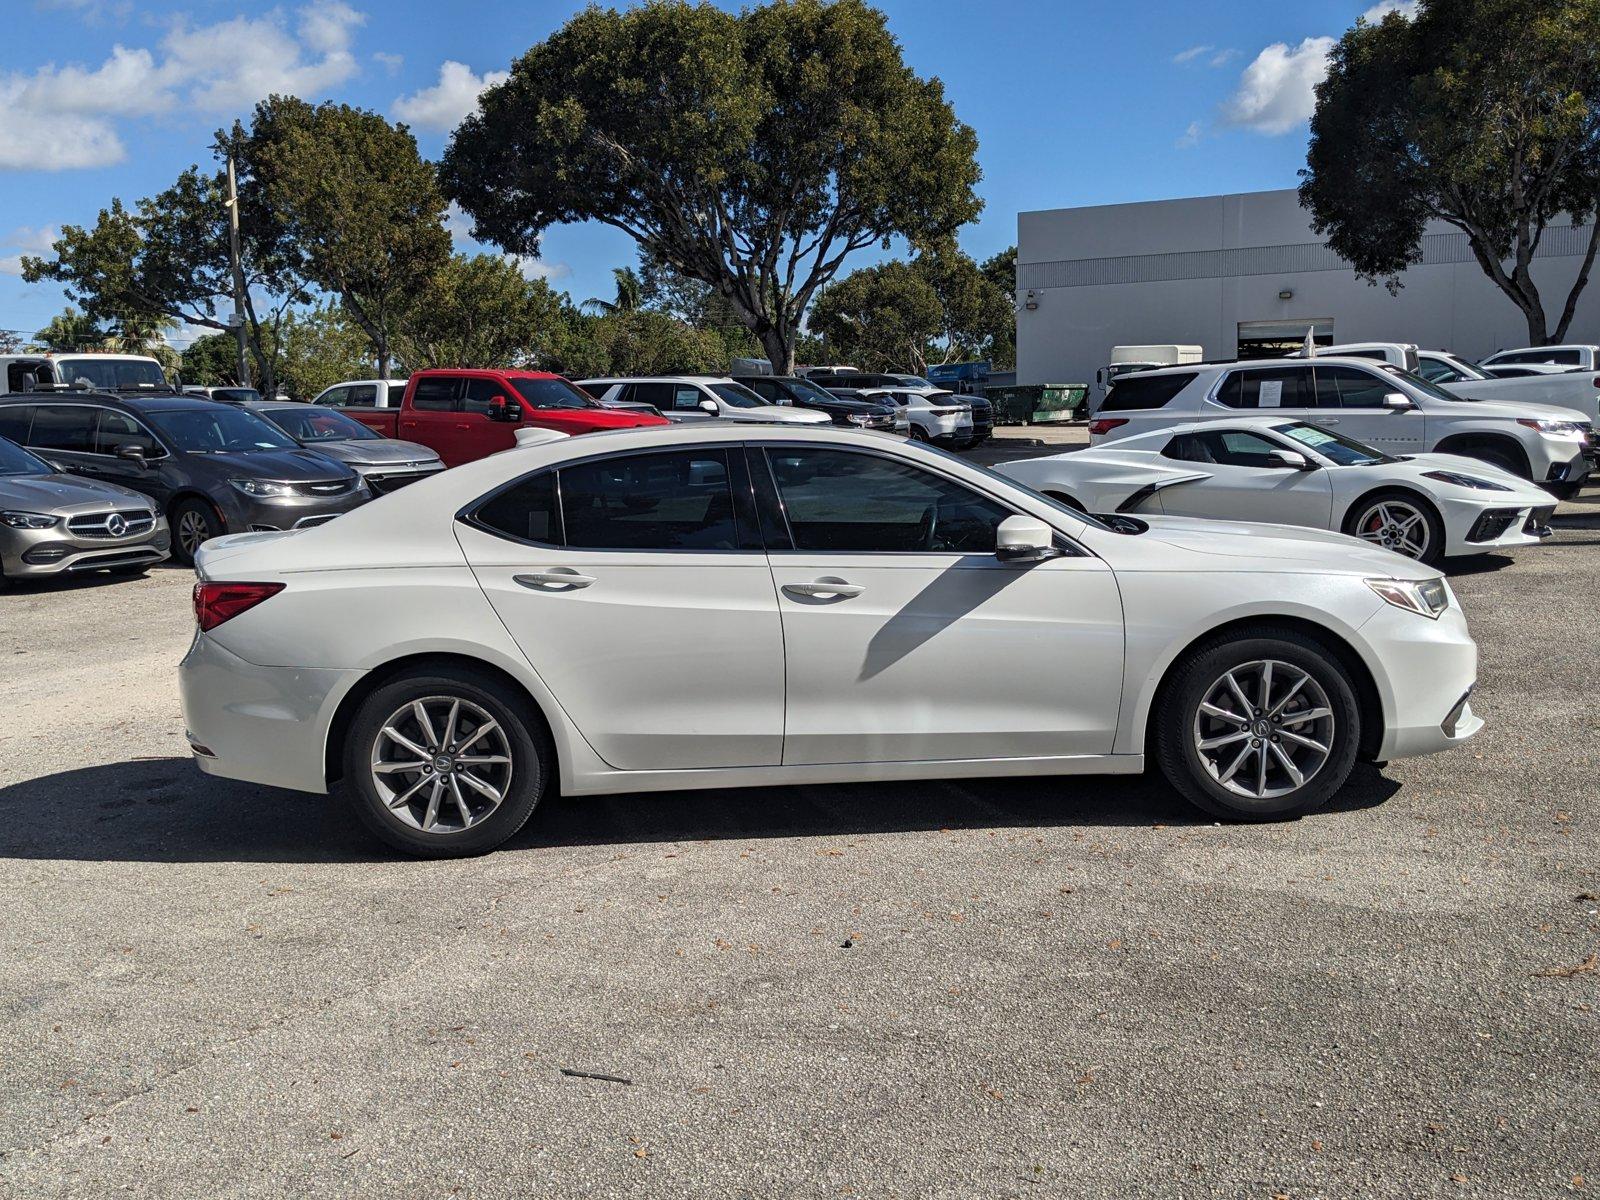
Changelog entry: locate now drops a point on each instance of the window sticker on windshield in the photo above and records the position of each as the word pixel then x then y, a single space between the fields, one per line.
pixel 1271 394
pixel 1311 436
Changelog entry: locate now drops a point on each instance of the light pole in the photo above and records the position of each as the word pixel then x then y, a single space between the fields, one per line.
pixel 236 320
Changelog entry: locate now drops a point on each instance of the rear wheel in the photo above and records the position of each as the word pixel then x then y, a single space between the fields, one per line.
pixel 1259 727
pixel 1401 522
pixel 194 522
pixel 918 434
pixel 444 763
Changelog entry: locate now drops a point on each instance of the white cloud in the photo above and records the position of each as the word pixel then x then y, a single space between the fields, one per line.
pixel 328 28
pixel 230 65
pixel 1190 138
pixel 537 268
pixel 1192 53
pixel 24 241
pixel 444 106
pixel 1406 8
pixel 1276 91
pixel 1222 58
pixel 391 62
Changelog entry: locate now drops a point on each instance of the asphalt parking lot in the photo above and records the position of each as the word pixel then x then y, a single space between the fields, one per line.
pixel 1016 988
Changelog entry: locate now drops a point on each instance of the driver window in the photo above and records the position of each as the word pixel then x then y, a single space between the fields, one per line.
pixel 1236 448
pixel 117 430
pixel 480 395
pixel 841 500
pixel 1350 387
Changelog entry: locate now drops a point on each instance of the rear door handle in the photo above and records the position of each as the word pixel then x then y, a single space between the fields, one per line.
pixel 558 577
pixel 828 585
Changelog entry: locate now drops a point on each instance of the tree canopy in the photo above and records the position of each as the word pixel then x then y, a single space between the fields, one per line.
pixel 481 312
pixel 1482 114
pixel 754 152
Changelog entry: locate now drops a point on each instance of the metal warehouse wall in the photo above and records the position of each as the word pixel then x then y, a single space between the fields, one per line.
pixel 1190 271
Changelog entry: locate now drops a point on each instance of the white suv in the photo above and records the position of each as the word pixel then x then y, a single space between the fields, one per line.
pixel 1376 403
pixel 698 398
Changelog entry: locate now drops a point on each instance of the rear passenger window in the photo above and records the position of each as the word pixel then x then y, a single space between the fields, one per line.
pixel 679 500
pixel 1144 391
pixel 526 511
pixel 14 422
pixel 62 427
pixel 1273 387
pixel 435 395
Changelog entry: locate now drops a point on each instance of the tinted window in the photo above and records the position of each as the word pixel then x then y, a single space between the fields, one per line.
pixel 481 394
pixel 1278 387
pixel 110 373
pixel 1558 357
pixel 218 429
pixel 1144 391
pixel 766 389
pixel 551 393
pixel 1349 387
pixel 658 394
pixel 363 395
pixel 836 500
pixel 680 500
pixel 1225 448
pixel 311 423
pixel 526 511
pixel 1436 370
pixel 62 427
pixel 14 460
pixel 117 429
pixel 14 422
pixel 737 395
pixel 435 395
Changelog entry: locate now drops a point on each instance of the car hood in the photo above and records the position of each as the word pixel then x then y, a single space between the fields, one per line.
pixel 841 405
pixel 614 418
pixel 375 452
pixel 1415 466
pixel 779 412
pixel 1548 412
pixel 291 466
pixel 1282 548
pixel 65 494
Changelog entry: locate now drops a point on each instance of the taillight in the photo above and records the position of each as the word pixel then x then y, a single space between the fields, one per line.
pixel 1104 425
pixel 215 603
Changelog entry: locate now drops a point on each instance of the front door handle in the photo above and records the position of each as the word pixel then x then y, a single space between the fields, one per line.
pixel 558 577
pixel 828 585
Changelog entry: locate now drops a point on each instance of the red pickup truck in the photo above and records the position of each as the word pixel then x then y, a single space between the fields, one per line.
pixel 464 415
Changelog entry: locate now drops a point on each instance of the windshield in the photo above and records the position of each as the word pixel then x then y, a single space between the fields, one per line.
pixel 14 460
pixel 108 374
pixel 313 424
pixel 551 393
pixel 219 431
pixel 1431 390
pixel 1335 447
pixel 737 395
pixel 1467 370
pixel 236 395
pixel 805 389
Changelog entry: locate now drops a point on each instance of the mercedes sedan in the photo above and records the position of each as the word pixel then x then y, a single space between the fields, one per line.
pixel 726 606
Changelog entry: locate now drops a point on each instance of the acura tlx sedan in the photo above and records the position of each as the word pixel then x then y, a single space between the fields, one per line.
pixel 707 606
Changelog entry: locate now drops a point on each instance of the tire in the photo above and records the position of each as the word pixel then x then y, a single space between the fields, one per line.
pixel 1564 491
pixel 1203 776
pixel 1071 502
pixel 1498 456
pixel 406 825
pixel 1400 521
pixel 918 434
pixel 193 516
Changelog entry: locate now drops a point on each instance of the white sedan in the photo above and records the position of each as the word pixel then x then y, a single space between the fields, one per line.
pixel 727 606
pixel 1425 506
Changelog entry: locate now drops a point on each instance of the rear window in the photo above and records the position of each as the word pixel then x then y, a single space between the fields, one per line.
pixel 1144 391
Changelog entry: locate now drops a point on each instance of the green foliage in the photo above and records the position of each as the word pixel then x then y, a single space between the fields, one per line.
pixel 479 311
pixel 1483 114
pixel 211 360
pixel 71 330
pixel 320 347
pixel 754 152
pixel 360 210
pixel 642 342
pixel 629 293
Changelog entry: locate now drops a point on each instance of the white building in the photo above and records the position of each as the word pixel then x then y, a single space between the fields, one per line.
pixel 1241 274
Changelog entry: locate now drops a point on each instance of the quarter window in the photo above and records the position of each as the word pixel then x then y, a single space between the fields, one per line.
pixel 1279 387
pixel 837 500
pixel 14 422
pixel 67 427
pixel 526 511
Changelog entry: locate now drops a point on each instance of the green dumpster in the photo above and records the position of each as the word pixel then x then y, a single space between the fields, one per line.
pixel 1036 403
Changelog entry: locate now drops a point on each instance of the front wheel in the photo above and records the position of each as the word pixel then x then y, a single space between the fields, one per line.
pixel 444 763
pixel 1259 727
pixel 194 523
pixel 1401 522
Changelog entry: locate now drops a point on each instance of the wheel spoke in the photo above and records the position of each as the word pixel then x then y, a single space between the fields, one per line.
pixel 1211 710
pixel 1261 769
pixel 461 803
pixel 390 768
pixel 1287 763
pixel 1233 768
pixel 486 728
pixel 400 739
pixel 472 781
pixel 1238 691
pixel 1310 714
pixel 481 760
pixel 433 804
pixel 1225 740
pixel 420 711
pixel 1293 692
pixel 450 724
pixel 1309 743
pixel 404 797
pixel 1266 686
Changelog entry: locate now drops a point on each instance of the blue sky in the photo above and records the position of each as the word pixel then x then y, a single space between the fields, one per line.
pixel 1074 103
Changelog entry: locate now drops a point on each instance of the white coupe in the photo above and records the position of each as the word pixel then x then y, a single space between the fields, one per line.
pixel 1425 506
pixel 726 606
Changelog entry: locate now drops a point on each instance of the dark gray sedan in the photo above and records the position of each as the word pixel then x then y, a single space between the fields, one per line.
pixel 385 463
pixel 52 523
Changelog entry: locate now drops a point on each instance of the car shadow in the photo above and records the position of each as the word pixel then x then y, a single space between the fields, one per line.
pixel 166 810
pixel 1477 564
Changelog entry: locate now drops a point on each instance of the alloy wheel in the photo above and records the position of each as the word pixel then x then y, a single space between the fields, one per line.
pixel 192 530
pixel 1264 729
pixel 441 764
pixel 1396 525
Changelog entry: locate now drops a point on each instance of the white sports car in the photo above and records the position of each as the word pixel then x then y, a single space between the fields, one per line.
pixel 1425 506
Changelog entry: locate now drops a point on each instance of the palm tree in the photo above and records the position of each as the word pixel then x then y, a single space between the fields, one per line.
pixel 629 293
pixel 71 330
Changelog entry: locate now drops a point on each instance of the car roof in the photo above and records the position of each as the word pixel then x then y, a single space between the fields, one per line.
pixel 662 379
pixel 1222 364
pixel 157 402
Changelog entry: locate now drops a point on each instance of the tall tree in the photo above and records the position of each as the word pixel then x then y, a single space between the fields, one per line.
pixel 360 209
pixel 1482 114
pixel 71 330
pixel 212 361
pixel 481 312
pixel 754 152
pixel 319 347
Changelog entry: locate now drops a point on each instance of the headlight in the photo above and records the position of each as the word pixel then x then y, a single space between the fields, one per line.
pixel 262 487
pixel 1568 428
pixel 1428 598
pixel 858 419
pixel 27 520
pixel 1465 481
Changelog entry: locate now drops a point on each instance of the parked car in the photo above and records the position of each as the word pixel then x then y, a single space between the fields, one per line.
pixel 1521 370
pixel 56 524
pixel 1375 403
pixel 1569 388
pixel 695 398
pixel 211 468
pixel 101 372
pixel 899 418
pixel 363 393
pixel 934 416
pixel 1425 506
pixel 848 410
pixel 463 415
pixel 981 410
pixel 1573 357
pixel 226 395
pixel 383 463
pixel 600 616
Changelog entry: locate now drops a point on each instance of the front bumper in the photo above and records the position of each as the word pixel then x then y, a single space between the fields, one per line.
pixel 1473 528
pixel 265 725
pixel 1428 668
pixel 383 479
pixel 34 553
pixel 265 514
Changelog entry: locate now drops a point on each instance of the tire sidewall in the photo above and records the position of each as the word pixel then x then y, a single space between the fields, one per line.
pixel 1180 759
pixel 528 772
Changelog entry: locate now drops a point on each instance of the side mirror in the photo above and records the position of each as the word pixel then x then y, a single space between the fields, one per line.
pixel 1398 402
pixel 1024 540
pixel 132 452
pixel 1292 459
pixel 500 409
pixel 709 406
